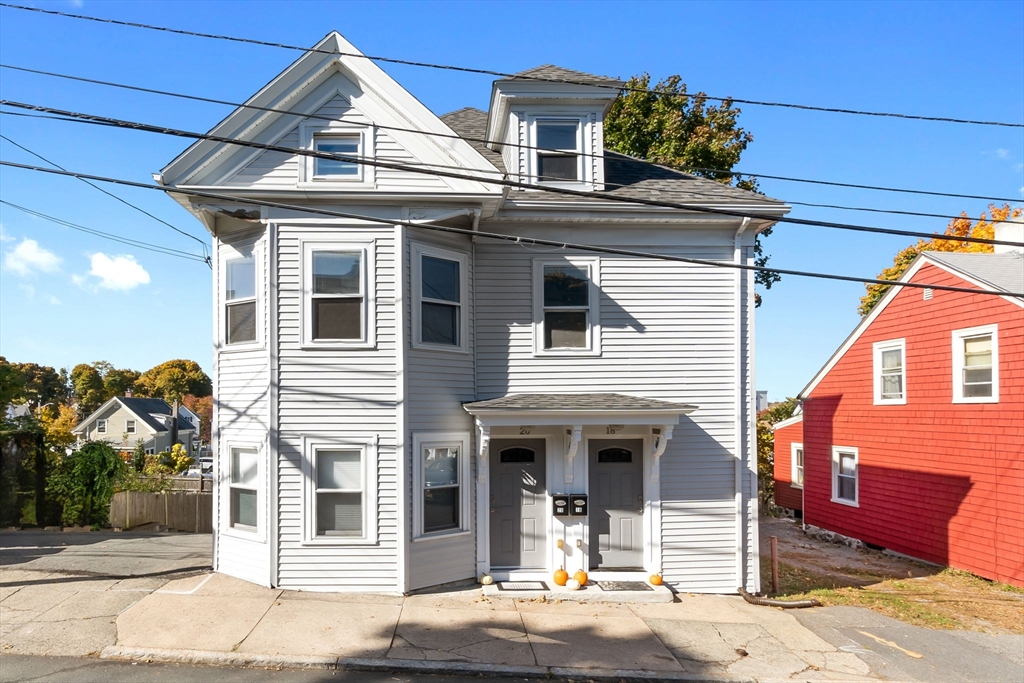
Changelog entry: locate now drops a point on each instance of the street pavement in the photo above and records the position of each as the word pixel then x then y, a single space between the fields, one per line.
pixel 170 611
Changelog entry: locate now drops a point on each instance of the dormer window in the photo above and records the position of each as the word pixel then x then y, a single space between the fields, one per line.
pixel 559 146
pixel 336 144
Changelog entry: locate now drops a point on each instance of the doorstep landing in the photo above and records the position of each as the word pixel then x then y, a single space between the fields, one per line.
pixel 589 593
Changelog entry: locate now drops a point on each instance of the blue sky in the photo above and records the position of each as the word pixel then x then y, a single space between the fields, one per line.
pixel 67 297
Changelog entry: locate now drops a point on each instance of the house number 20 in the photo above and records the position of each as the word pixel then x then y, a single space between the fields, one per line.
pixel 526 430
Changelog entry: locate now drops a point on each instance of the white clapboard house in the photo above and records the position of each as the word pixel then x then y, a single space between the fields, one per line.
pixel 398 407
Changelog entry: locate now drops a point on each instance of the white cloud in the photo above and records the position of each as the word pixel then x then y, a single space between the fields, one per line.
pixel 28 258
pixel 76 3
pixel 4 237
pixel 120 272
pixel 1002 153
pixel 55 301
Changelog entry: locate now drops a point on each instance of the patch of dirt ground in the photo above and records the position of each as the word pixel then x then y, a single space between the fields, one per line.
pixel 914 592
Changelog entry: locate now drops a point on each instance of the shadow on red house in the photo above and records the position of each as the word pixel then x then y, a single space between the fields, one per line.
pixel 911 438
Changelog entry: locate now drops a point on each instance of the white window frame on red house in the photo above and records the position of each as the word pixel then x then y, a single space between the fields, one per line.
pixel 796 466
pixel 837 453
pixel 879 371
pixel 959 363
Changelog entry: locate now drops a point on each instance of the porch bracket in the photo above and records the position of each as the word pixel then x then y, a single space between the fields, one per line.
pixel 661 439
pixel 482 461
pixel 576 435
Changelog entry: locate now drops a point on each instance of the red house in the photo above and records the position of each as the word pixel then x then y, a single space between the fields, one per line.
pixel 911 437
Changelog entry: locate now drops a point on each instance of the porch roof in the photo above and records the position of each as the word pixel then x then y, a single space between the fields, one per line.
pixel 577 409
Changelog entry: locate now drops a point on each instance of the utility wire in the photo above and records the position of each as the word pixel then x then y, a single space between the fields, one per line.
pixel 167 251
pixel 720 172
pixel 111 194
pixel 610 84
pixel 518 239
pixel 135 125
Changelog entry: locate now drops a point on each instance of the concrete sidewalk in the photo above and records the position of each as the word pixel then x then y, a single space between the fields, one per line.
pixel 212 618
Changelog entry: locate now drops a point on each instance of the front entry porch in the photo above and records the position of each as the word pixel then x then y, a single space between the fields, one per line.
pixel 571 481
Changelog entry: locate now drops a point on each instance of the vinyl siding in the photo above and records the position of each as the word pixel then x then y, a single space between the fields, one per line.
pixel 272 170
pixel 242 381
pixel 668 332
pixel 938 480
pixel 787 495
pixel 438 384
pixel 336 394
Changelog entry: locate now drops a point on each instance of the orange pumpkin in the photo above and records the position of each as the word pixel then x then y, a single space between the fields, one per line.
pixel 561 576
pixel 581 576
pixel 655 580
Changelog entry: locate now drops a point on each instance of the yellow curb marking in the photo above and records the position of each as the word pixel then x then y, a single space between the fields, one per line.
pixel 883 641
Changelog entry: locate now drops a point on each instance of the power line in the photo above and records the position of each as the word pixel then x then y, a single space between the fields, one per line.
pixel 518 239
pixel 135 125
pixel 616 85
pixel 167 251
pixel 720 172
pixel 111 194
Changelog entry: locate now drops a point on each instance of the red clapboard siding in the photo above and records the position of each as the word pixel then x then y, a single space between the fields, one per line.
pixel 787 495
pixel 937 480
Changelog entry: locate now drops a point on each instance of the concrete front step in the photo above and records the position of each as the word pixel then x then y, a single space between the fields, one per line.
pixel 589 593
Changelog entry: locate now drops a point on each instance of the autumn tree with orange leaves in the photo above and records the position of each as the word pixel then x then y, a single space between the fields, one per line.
pixel 983 228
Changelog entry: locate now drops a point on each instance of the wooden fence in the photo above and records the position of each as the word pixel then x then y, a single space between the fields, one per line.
pixel 184 511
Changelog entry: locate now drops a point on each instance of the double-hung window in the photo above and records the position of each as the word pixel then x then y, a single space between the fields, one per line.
pixel 890 372
pixel 344 146
pixel 797 465
pixel 558 152
pixel 129 426
pixel 566 307
pixel 340 501
pixel 101 426
pixel 440 292
pixel 338 296
pixel 442 484
pixel 844 475
pixel 244 488
pixel 240 300
pixel 976 365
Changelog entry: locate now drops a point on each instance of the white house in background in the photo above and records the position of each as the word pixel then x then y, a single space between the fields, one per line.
pixel 397 407
pixel 123 421
pixel 191 417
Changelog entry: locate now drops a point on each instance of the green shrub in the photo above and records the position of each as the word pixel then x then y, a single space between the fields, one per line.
pixel 83 483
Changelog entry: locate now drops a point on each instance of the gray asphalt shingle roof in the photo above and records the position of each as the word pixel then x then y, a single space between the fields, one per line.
pixel 624 176
pixel 615 402
pixel 1000 271
pixel 560 73
pixel 146 407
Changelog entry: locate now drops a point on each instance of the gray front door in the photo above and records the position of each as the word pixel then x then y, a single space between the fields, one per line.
pixel 616 503
pixel 518 503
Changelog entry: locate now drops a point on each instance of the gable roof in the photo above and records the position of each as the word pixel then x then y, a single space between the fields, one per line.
pixel 624 176
pixel 143 409
pixel 974 270
pixel 550 72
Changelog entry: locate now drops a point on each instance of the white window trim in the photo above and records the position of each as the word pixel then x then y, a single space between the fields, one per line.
pixel 958 338
pixel 368 446
pixel 367 284
pixel 130 427
pixel 877 350
pixel 582 169
pixel 101 426
pixel 418 252
pixel 421 440
pixel 593 347
pixel 259 533
pixel 309 132
pixel 847 450
pixel 233 252
pixel 793 464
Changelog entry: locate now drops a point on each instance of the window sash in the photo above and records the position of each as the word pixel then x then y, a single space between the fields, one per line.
pixel 442 497
pixel 798 467
pixel 337 325
pixel 845 473
pixel 101 426
pixel 244 507
pixel 129 426
pixel 331 168
pixel 243 268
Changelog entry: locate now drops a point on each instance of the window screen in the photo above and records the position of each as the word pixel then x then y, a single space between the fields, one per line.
pixel 337 295
pixel 339 494
pixel 566 306
pixel 336 167
pixel 441 301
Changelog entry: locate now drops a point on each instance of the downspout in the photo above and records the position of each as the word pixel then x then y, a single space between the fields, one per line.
pixel 738 436
pixel 274 436
pixel 401 446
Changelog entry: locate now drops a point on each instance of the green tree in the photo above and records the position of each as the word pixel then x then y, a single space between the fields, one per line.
pixel 57 422
pixel 173 380
pixel 42 384
pixel 963 226
pixel 87 388
pixel 119 382
pixel 668 126
pixel 766 419
pixel 11 387
pixel 84 481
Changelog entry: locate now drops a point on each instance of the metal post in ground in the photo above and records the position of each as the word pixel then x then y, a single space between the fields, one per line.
pixel 775 564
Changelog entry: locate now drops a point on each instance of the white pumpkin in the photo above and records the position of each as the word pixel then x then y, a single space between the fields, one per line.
pixel 486 579
pixel 572 584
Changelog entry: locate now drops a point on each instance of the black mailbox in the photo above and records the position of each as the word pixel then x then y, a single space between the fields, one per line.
pixel 560 502
pixel 578 505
